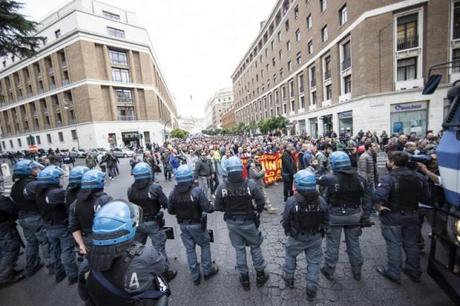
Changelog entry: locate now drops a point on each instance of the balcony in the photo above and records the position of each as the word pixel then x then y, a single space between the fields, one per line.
pixel 407 42
pixel 346 63
pixel 126 117
pixel 327 75
pixel 313 83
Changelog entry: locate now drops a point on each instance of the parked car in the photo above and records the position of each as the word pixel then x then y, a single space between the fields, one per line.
pixel 80 153
pixel 117 152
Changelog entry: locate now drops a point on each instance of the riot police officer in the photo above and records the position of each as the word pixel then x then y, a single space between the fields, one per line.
pixel 304 219
pixel 150 197
pixel 349 205
pixel 24 173
pixel 234 197
pixel 51 203
pixel 74 185
pixel 188 204
pixel 397 197
pixel 123 271
pixel 10 243
pixel 90 199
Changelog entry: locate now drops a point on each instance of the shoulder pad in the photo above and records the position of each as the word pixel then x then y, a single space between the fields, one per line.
pixel 55 196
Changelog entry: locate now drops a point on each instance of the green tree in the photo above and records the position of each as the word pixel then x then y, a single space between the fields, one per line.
pixel 179 133
pixel 16 32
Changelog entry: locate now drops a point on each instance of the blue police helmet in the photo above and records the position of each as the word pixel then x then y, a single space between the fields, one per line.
pixel 116 223
pixel 50 175
pixel 234 164
pixel 76 175
pixel 339 161
pixel 92 179
pixel 23 168
pixel 142 171
pixel 184 174
pixel 305 180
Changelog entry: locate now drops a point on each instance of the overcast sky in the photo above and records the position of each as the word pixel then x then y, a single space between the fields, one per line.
pixel 198 42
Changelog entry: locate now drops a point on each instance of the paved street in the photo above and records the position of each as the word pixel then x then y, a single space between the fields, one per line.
pixel 224 289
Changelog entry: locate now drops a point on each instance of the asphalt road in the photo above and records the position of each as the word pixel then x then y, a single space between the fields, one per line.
pixel 224 289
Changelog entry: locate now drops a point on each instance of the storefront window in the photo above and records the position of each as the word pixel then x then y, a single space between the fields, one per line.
pixel 327 124
pixel 409 117
pixel 346 122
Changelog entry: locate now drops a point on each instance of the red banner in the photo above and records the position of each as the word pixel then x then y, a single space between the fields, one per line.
pixel 271 163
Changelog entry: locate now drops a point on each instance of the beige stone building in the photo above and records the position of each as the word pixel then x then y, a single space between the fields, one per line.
pixel 217 105
pixel 95 83
pixel 359 64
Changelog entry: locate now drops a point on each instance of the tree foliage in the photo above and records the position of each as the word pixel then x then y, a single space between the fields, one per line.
pixel 179 133
pixel 16 32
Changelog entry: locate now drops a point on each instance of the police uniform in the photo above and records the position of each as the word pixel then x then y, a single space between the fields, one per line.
pixel 10 243
pixel 349 202
pixel 51 203
pixel 23 195
pixel 82 212
pixel 401 190
pixel 123 271
pixel 151 198
pixel 188 204
pixel 303 221
pixel 234 197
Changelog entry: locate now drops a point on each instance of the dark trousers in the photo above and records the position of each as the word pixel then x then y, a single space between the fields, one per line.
pixel 287 186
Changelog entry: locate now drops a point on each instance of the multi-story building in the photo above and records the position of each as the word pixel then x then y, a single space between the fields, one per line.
pixel 95 82
pixel 216 107
pixel 191 124
pixel 359 64
pixel 228 118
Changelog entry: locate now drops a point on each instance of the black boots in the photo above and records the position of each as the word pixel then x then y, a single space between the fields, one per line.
pixel 262 278
pixel 244 280
pixel 213 271
pixel 311 294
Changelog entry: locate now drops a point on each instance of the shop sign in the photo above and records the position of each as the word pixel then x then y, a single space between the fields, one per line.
pixel 345 115
pixel 408 107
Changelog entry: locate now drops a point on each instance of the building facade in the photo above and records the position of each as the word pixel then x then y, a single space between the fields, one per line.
pixel 95 83
pixel 330 65
pixel 191 124
pixel 229 119
pixel 217 105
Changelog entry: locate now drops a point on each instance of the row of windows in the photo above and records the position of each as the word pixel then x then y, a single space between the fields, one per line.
pixel 343 18
pixel 37 140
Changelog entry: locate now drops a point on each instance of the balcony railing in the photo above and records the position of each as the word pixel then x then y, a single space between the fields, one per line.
pixel 408 42
pixel 346 63
pixel 327 75
pixel 126 117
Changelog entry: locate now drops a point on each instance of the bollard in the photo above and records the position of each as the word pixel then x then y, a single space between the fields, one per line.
pixel 5 170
